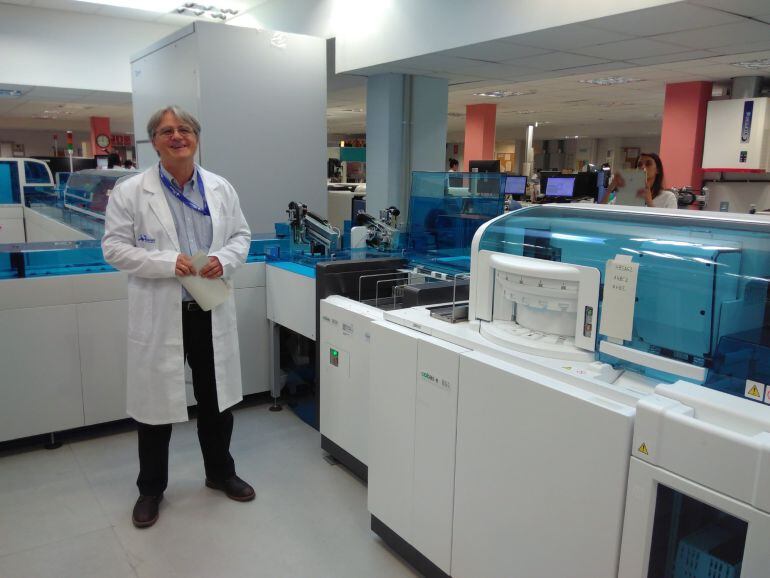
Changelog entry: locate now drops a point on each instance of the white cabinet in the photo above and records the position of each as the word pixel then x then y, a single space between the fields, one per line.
pixel 252 337
pixel 737 137
pixel 40 388
pixel 102 336
pixel 413 425
pixel 244 86
pixel 63 349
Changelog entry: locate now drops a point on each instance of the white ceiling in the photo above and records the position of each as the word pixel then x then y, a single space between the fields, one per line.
pixel 681 42
pixel 48 108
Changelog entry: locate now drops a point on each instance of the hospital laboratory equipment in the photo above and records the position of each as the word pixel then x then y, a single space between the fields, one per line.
pixel 500 446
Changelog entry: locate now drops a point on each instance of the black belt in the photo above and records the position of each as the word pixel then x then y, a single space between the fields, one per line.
pixel 190 306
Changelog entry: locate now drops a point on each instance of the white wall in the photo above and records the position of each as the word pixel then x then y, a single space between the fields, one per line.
pixel 69 49
pixel 740 196
pixel 372 33
pixel 40 142
pixel 615 145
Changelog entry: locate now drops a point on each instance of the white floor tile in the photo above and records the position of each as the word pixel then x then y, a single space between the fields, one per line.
pixel 44 497
pixel 93 555
pixel 309 518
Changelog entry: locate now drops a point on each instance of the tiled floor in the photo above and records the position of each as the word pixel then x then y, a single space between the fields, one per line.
pixel 66 512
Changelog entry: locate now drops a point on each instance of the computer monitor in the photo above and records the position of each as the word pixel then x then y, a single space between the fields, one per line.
pixel 484 166
pixel 515 185
pixel 586 184
pixel 561 186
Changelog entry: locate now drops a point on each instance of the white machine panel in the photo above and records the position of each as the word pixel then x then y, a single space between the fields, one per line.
pixel 102 336
pixel 291 300
pixel 737 135
pixel 251 308
pixel 528 499
pixel 438 366
pixel 413 409
pixel 41 389
pixel 644 482
pixel 685 427
pixel 344 373
pixel 391 426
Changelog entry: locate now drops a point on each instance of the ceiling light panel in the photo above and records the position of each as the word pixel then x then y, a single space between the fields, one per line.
pixel 609 80
pixel 758 64
pixel 161 6
pixel 503 93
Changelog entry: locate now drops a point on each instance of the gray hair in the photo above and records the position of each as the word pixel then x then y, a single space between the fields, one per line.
pixel 177 111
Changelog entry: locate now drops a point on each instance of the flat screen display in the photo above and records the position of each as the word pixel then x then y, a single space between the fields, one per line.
pixel 515 185
pixel 560 187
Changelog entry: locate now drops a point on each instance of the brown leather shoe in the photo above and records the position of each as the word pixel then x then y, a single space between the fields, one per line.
pixel 146 511
pixel 235 489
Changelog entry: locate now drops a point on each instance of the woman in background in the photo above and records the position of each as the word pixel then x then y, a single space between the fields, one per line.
pixel 654 194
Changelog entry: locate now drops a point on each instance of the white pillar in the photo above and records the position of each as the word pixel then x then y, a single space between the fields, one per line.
pixel 406 122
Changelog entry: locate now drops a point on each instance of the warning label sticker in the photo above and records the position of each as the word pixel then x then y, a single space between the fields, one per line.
pixel 643 449
pixel 767 395
pixel 755 390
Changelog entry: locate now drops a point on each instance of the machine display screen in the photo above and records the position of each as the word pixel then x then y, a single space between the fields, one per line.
pixel 560 187
pixel 515 185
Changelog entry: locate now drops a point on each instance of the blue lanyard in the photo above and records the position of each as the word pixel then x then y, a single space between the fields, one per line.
pixel 177 192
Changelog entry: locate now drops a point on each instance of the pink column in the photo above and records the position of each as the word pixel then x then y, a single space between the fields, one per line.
pixel 681 139
pixel 479 133
pixel 100 125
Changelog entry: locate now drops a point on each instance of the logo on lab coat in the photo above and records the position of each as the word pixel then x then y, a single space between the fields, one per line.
pixel 145 239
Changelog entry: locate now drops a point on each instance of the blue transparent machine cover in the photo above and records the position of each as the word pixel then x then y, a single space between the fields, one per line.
pixel 89 190
pixel 445 211
pixel 51 259
pixel 702 286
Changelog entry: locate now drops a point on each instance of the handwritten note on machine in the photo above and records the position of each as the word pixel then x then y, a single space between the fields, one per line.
pixel 619 297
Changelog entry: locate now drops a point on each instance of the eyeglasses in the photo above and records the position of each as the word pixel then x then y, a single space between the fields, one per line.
pixel 168 131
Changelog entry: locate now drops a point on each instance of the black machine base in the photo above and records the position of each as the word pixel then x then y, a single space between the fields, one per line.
pixel 407 551
pixel 359 469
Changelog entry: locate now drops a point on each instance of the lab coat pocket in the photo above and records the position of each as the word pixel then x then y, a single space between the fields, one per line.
pixel 140 313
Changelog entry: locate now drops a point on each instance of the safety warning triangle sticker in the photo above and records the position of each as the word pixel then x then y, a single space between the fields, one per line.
pixel 755 390
pixel 643 449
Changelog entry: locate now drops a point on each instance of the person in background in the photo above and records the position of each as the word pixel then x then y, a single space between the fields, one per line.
pixel 654 194
pixel 454 165
pixel 113 161
pixel 129 165
pixel 155 222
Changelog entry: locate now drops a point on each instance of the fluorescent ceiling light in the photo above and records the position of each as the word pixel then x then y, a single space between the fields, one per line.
pixel 163 6
pixel 167 6
pixel 754 64
pixel 503 93
pixel 609 80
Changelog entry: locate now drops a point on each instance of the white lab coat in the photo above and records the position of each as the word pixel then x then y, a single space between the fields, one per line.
pixel 140 239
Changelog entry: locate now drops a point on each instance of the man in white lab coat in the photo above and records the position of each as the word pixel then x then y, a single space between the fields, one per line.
pixel 155 222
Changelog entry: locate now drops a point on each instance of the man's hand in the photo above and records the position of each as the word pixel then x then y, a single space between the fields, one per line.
pixel 184 266
pixel 212 269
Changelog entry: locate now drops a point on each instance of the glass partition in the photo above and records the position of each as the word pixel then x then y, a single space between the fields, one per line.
pixel 445 211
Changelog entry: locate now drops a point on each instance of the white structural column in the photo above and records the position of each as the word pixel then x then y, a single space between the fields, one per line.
pixel 406 122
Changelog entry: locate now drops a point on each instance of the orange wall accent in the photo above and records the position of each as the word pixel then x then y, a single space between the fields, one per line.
pixel 479 133
pixel 681 138
pixel 99 125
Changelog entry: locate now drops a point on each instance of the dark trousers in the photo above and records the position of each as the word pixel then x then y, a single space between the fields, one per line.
pixel 214 427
